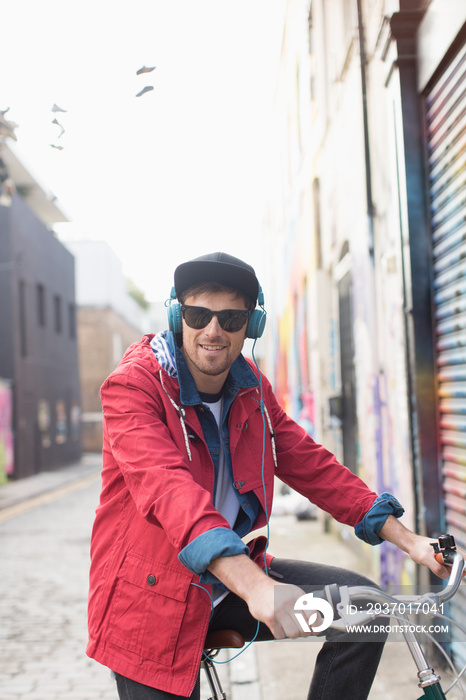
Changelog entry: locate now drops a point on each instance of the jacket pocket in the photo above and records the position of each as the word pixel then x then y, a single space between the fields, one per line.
pixel 147 607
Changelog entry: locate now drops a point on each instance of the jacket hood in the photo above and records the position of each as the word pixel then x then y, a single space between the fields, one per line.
pixel 163 348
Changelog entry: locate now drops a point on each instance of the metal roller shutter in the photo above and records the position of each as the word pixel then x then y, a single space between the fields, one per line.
pixel 446 136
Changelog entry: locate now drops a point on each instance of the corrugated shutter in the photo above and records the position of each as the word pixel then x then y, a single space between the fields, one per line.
pixel 446 134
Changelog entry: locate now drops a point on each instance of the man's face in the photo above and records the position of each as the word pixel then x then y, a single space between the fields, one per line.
pixel 209 352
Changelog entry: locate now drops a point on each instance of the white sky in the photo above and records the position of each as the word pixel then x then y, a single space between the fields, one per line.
pixel 167 176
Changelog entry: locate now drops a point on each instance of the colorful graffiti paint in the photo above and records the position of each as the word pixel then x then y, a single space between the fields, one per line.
pixel 6 433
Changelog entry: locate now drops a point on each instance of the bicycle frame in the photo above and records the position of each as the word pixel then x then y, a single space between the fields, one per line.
pixel 428 679
pixel 434 692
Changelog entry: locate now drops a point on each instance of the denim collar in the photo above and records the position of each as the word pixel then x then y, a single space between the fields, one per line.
pixel 240 376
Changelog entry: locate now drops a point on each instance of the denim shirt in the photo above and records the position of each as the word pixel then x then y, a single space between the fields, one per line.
pixel 223 542
pixel 198 554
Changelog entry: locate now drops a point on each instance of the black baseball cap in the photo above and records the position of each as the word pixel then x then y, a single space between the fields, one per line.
pixel 217 267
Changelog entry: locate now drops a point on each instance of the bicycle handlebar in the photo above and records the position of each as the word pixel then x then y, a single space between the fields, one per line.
pixel 457 567
pixel 342 598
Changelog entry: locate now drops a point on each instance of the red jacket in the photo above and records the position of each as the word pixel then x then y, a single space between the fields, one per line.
pixel 146 620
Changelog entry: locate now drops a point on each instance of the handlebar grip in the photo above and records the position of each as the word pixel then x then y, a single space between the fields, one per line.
pixel 439 557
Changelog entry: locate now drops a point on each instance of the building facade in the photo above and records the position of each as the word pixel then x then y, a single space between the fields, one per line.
pixel 367 211
pixel 38 345
pixel 108 321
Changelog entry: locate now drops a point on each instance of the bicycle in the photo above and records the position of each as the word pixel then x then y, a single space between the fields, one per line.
pixel 343 600
pixel 214 643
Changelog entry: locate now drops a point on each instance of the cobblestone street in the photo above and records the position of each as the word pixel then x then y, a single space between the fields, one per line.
pixel 45 553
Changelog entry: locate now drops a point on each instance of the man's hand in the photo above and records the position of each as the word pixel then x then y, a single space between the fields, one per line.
pixel 419 548
pixel 275 607
pixel 269 601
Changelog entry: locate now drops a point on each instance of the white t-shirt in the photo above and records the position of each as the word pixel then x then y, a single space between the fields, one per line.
pixel 226 501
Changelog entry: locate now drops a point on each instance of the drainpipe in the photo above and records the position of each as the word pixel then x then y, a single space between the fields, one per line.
pixel 372 296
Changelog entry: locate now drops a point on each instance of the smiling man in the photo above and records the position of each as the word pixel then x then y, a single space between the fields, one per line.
pixel 209 351
pixel 193 441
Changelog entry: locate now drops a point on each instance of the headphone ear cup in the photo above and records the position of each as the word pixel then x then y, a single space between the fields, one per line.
pixel 174 318
pixel 256 324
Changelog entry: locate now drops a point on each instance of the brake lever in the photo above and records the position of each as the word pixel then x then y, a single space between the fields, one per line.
pixel 444 549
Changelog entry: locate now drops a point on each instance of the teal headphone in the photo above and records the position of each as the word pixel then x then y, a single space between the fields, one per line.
pixel 255 327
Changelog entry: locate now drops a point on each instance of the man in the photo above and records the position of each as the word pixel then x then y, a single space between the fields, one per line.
pixel 193 439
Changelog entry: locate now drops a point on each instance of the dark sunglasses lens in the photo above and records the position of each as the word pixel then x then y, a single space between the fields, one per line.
pixel 232 321
pixel 197 317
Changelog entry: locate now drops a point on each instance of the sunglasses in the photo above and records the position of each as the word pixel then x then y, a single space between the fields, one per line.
pixel 230 320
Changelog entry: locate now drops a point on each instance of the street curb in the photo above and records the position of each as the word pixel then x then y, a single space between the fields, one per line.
pixel 15 492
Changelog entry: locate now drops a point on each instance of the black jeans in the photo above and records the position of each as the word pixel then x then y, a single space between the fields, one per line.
pixel 343 669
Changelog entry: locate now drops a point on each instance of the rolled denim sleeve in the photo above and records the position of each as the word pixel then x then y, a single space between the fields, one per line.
pixel 219 542
pixel 384 505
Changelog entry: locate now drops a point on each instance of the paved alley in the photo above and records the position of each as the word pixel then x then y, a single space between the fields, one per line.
pixel 45 554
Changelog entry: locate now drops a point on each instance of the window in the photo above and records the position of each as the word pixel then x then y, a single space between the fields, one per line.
pixel 22 318
pixel 58 313
pixel 340 22
pixel 348 20
pixel 117 347
pixel 44 422
pixel 72 320
pixel 41 317
pixel 61 431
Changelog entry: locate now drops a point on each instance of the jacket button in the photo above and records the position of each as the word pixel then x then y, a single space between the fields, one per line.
pixel 151 580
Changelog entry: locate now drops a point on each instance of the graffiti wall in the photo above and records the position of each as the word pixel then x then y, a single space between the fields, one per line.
pixel 6 433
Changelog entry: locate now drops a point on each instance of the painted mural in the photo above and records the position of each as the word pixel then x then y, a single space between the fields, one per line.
pixel 6 432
